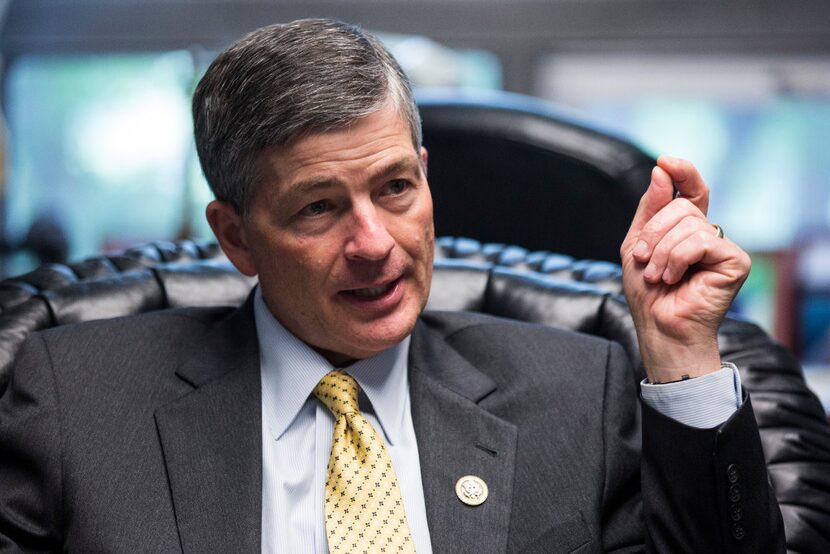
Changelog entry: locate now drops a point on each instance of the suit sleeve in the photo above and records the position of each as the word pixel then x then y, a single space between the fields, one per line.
pixel 701 490
pixel 30 466
pixel 707 489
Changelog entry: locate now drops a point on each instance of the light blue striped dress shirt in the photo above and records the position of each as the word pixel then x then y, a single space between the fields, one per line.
pixel 703 402
pixel 297 433
pixel 297 430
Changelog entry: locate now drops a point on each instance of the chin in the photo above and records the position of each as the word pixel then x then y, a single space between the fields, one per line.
pixel 372 340
pixel 373 344
pixel 358 336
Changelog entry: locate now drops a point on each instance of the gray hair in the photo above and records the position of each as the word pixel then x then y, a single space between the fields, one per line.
pixel 286 81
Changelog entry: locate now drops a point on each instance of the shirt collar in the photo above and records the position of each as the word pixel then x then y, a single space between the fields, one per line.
pixel 291 369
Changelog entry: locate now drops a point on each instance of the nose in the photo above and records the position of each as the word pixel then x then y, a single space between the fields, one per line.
pixel 370 240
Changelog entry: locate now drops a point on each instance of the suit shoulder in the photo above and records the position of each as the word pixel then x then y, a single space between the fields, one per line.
pixel 524 359
pixel 455 324
pixel 108 342
pixel 129 356
pixel 177 320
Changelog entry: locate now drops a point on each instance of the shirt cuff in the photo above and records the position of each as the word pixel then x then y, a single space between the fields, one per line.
pixel 703 402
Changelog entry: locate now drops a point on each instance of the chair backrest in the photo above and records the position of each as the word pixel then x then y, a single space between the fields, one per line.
pixel 507 281
pixel 510 168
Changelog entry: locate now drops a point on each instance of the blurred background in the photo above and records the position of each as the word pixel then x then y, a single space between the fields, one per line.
pixel 96 152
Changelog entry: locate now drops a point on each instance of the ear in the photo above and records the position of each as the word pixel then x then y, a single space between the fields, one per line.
pixel 229 228
pixel 424 160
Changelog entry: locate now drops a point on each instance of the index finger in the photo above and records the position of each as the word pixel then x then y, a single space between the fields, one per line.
pixel 687 181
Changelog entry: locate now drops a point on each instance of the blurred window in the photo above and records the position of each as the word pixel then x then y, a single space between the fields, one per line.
pixel 756 128
pixel 431 64
pixel 101 145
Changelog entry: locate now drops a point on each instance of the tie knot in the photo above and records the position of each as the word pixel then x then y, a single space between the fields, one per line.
pixel 338 391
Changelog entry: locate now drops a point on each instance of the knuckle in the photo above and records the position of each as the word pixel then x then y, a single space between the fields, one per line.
pixel 681 253
pixel 685 205
pixel 690 223
pixel 649 233
pixel 678 266
pixel 662 252
pixel 704 235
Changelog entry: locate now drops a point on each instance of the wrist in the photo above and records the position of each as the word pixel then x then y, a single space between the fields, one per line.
pixel 666 361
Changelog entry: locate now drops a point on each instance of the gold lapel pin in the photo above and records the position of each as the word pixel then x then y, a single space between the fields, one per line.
pixel 471 490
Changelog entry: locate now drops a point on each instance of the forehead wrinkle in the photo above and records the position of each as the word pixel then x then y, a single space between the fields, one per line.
pixel 335 163
pixel 402 165
pixel 313 184
pixel 317 183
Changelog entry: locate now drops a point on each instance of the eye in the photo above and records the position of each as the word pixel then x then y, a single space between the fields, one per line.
pixel 398 186
pixel 316 208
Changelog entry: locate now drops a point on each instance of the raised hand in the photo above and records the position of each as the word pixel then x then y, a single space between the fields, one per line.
pixel 679 276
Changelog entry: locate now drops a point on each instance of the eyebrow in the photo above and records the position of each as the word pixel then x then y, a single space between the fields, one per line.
pixel 403 165
pixel 313 184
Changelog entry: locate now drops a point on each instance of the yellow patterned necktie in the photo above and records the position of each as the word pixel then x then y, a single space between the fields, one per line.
pixel 364 510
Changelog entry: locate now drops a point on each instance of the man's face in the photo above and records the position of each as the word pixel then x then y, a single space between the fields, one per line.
pixel 340 232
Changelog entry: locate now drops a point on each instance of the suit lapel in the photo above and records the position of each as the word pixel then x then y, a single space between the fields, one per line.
pixel 457 437
pixel 212 441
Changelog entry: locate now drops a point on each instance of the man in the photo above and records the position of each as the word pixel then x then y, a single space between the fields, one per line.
pixel 210 430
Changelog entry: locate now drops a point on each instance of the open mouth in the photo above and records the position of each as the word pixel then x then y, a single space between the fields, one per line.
pixel 372 293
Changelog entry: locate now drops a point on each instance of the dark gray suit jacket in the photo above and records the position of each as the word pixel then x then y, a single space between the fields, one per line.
pixel 143 434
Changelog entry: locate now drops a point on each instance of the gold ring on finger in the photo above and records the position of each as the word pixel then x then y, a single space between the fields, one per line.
pixel 718 230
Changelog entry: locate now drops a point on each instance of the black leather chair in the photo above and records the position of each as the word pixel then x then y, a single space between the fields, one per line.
pixel 506 281
pixel 510 168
